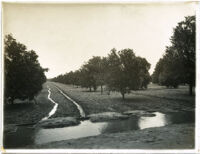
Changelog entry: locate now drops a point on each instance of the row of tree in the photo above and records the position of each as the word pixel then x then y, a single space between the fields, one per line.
pixel 120 71
pixel 177 66
pixel 23 74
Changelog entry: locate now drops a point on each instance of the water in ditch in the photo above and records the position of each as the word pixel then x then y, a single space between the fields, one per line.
pixel 26 136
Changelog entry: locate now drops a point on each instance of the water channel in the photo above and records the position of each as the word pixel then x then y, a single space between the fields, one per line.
pixel 52 112
pixel 30 135
pixel 26 136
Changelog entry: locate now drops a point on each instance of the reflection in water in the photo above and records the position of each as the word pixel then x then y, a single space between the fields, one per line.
pixel 180 117
pixel 121 125
pixel 25 136
pixel 86 128
pixel 158 121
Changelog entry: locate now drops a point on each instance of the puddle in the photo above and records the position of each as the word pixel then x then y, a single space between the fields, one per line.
pixel 28 136
pixel 158 121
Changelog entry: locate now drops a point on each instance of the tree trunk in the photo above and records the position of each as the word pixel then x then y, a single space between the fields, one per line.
pixel 123 95
pixel 90 89
pixel 101 89
pixel 95 87
pixel 35 101
pixel 10 101
pixel 190 89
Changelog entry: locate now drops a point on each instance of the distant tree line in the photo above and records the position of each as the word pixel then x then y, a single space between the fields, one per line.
pixel 177 66
pixel 120 71
pixel 23 74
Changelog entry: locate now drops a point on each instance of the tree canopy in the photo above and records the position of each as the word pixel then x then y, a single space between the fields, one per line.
pixel 178 63
pixel 127 71
pixel 23 74
pixel 120 71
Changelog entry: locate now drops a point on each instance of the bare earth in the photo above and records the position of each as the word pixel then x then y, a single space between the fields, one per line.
pixel 155 98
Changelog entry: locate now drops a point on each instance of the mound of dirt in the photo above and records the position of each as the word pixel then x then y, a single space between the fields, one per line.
pixel 58 122
pixel 107 116
pixel 139 113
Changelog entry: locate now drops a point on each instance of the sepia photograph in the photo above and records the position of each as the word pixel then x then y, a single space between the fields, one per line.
pixel 99 75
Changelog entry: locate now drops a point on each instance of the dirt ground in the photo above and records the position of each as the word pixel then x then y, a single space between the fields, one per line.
pixel 155 98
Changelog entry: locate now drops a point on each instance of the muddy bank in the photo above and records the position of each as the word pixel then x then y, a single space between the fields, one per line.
pixel 106 116
pixel 175 136
pixel 58 122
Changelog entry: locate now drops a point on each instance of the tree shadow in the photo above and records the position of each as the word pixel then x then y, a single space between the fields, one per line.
pixel 18 106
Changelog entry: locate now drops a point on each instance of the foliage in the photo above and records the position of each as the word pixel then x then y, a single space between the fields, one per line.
pixel 178 64
pixel 96 71
pixel 23 74
pixel 120 71
pixel 127 72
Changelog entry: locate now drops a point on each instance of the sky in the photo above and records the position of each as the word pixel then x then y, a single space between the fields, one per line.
pixel 65 36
